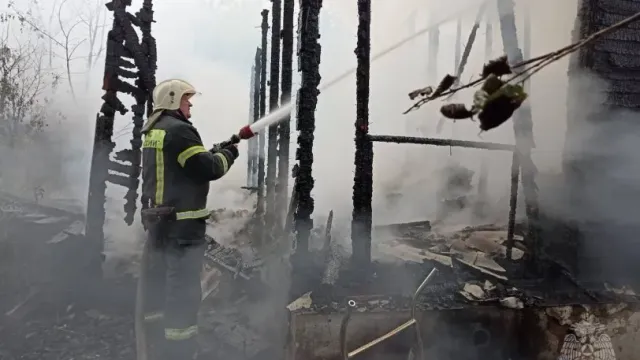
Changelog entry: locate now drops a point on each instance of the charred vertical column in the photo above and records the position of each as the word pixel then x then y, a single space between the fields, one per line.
pixel 102 143
pixel 523 129
pixel 363 180
pixel 255 152
pixel 263 110
pixel 123 45
pixel 309 64
pixel 146 82
pixel 284 130
pixel 251 145
pixel 274 87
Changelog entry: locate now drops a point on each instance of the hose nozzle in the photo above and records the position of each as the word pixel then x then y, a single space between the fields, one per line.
pixel 246 133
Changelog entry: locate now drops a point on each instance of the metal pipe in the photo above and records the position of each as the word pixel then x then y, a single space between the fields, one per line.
pixel 414 304
pixel 351 304
pixel 513 202
pixel 406 325
pixel 414 299
pixel 390 334
pixel 441 142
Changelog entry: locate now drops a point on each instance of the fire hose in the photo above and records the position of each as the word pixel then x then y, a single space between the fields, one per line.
pixel 419 345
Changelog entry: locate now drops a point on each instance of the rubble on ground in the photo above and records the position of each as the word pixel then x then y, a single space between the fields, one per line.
pixel 474 268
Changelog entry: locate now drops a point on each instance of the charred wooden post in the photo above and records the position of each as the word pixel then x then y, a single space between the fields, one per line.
pixel 123 45
pixel 250 144
pixel 274 88
pixel 263 110
pixel 148 47
pixel 513 202
pixel 284 128
pixel 523 129
pixel 363 179
pixel 309 65
pixel 255 111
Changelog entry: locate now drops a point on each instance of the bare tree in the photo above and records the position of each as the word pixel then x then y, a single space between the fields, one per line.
pixel 69 45
pixel 23 83
pixel 62 39
pixel 95 21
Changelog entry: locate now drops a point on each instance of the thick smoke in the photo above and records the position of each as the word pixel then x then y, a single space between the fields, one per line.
pixel 406 176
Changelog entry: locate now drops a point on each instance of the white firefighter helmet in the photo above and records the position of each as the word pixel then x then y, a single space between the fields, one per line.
pixel 167 96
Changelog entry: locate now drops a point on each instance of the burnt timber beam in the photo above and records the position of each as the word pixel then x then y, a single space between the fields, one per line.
pixel 146 82
pixel 250 146
pixel 123 45
pixel 309 65
pixel 274 88
pixel 284 128
pixel 260 208
pixel 523 129
pixel 440 142
pixel 255 111
pixel 363 179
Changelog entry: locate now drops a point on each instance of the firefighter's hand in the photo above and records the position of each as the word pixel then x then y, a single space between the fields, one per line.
pixel 233 150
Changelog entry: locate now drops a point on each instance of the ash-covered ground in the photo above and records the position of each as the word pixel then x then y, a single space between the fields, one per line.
pixel 52 308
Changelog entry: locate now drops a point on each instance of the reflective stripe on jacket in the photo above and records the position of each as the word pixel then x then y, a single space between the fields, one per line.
pixel 177 169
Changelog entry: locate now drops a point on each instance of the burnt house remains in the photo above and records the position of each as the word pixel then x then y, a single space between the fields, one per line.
pixel 128 57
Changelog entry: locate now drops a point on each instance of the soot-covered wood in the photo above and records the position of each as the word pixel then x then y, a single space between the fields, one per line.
pixel 125 52
pixel 363 179
pixel 309 64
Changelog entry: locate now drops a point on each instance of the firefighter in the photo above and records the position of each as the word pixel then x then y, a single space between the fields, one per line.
pixel 176 171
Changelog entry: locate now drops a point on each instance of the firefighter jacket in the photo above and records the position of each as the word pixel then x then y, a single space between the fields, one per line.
pixel 176 171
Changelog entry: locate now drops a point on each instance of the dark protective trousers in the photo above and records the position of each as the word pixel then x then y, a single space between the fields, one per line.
pixel 172 296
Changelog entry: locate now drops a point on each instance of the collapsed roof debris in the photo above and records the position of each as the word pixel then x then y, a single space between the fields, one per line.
pixel 474 271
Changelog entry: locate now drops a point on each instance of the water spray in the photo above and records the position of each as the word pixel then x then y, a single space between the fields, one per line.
pixel 280 114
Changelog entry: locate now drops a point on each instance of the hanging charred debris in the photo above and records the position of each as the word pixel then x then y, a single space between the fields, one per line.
pixel 274 88
pixel 309 50
pixel 363 180
pixel 132 58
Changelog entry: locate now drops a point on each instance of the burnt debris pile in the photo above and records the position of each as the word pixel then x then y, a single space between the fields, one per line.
pixel 474 271
pixel 44 290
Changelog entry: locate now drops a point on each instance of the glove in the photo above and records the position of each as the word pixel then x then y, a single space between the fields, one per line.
pixel 216 148
pixel 232 151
